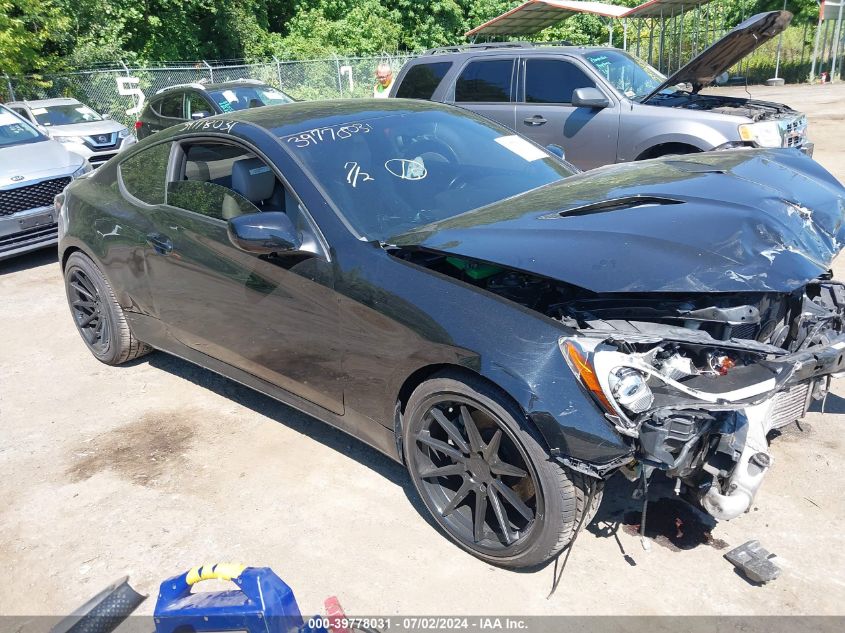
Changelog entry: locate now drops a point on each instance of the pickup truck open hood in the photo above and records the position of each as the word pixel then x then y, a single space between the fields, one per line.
pixel 702 70
pixel 744 220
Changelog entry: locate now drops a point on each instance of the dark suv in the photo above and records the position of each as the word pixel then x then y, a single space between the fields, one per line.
pixel 190 102
pixel 603 105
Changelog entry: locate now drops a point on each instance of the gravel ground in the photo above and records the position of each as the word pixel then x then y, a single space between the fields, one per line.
pixel 157 466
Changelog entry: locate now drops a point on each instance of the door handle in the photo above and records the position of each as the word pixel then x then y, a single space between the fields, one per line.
pixel 161 243
pixel 537 119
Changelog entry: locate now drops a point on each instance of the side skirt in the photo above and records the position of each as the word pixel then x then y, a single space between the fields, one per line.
pixel 150 330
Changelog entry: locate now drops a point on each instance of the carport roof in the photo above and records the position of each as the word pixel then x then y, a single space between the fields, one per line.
pixel 535 15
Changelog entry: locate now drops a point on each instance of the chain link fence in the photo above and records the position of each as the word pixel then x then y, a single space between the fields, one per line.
pixel 118 89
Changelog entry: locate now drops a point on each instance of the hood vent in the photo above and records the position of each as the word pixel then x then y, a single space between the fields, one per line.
pixel 615 204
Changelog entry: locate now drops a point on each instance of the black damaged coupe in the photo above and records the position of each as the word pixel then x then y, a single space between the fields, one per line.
pixel 463 300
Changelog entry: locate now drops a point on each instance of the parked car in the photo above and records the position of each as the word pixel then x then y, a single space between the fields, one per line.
pixel 464 301
pixel 82 130
pixel 191 102
pixel 33 169
pixel 603 105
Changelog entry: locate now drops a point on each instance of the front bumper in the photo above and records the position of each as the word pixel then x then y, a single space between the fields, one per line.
pixel 101 154
pixel 28 231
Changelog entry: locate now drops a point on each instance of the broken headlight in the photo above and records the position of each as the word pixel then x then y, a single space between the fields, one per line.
pixel 629 388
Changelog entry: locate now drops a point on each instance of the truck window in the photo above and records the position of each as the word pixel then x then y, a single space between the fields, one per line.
pixel 485 81
pixel 422 80
pixel 553 81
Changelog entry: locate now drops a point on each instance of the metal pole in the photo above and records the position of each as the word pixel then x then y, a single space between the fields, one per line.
pixel 837 32
pixel 696 26
pixel 816 47
pixel 625 34
pixel 210 70
pixel 339 77
pixel 278 71
pixel 651 44
pixel 681 38
pixel 11 90
pixel 639 34
pixel 660 66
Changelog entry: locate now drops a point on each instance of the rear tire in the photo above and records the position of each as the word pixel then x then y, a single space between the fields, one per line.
pixel 98 316
pixel 436 440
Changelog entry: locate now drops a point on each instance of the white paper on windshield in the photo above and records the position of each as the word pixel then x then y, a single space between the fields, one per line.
pixel 229 96
pixel 37 111
pixel 521 147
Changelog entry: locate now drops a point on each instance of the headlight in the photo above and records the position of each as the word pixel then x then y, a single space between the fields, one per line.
pixel 123 133
pixel 628 387
pixel 765 134
pixel 69 139
pixel 84 168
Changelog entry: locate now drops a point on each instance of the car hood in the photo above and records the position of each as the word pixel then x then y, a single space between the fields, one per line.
pixel 20 164
pixel 742 220
pixel 91 128
pixel 741 41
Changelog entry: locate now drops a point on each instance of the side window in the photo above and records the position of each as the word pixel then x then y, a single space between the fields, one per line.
pixel 171 106
pixel 144 175
pixel 222 181
pixel 485 81
pixel 553 81
pixel 198 107
pixel 422 80
pixel 22 112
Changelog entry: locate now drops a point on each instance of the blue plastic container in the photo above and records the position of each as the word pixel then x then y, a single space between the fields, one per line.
pixel 262 602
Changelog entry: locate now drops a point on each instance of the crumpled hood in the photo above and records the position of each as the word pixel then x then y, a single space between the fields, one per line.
pixel 33 161
pixel 742 220
pixel 736 44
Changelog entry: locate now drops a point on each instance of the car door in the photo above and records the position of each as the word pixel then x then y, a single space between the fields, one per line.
pixel 275 317
pixel 545 114
pixel 486 86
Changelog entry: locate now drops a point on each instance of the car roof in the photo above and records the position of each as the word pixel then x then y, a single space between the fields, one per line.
pixel 45 103
pixel 213 86
pixel 526 50
pixel 300 116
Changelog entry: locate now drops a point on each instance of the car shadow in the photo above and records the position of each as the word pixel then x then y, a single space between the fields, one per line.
pixel 34 259
pixel 300 422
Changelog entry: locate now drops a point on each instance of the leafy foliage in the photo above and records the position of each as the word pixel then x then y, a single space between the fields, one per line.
pixel 54 35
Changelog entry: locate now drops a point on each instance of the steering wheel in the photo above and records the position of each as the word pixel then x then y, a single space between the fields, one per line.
pixel 439 151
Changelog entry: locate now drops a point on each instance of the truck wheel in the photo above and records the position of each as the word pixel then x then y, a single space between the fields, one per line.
pixel 97 314
pixel 484 476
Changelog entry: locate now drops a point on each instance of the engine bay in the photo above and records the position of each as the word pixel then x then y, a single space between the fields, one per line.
pixel 735 106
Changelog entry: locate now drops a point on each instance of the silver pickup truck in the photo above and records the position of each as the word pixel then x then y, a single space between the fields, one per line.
pixel 603 105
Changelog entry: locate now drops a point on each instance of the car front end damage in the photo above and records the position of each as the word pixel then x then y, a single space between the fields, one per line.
pixel 696 400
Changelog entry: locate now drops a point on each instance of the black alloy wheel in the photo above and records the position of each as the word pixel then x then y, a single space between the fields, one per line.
pixel 89 311
pixel 485 476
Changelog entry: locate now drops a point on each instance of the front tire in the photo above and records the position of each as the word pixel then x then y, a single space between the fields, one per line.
pixel 98 316
pixel 485 477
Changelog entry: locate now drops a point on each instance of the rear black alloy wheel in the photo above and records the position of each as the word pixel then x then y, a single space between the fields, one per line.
pixel 484 476
pixel 97 314
pixel 89 311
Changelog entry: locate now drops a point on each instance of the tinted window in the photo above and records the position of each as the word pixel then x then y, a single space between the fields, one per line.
pixel 422 80
pixel 13 131
pixel 209 185
pixel 485 81
pixel 171 106
pixel 65 114
pixel 552 81
pixel 145 174
pixel 22 112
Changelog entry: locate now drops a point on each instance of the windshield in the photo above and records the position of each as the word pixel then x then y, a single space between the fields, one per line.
pixel 13 131
pixel 391 173
pixel 630 76
pixel 66 114
pixel 243 97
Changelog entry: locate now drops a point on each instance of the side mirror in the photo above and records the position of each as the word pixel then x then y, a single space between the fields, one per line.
pixel 264 233
pixel 589 98
pixel 200 115
pixel 105 115
pixel 557 150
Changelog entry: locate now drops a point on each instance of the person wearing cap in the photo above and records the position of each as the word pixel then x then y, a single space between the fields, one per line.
pixel 384 80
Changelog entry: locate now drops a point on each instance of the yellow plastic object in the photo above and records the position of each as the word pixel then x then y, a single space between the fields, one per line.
pixel 220 571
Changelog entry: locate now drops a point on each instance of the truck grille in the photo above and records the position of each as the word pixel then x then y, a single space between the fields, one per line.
pixel 31 196
pixel 790 405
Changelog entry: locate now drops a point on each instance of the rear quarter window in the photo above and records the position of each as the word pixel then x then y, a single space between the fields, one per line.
pixel 487 81
pixel 422 80
pixel 170 106
pixel 144 175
